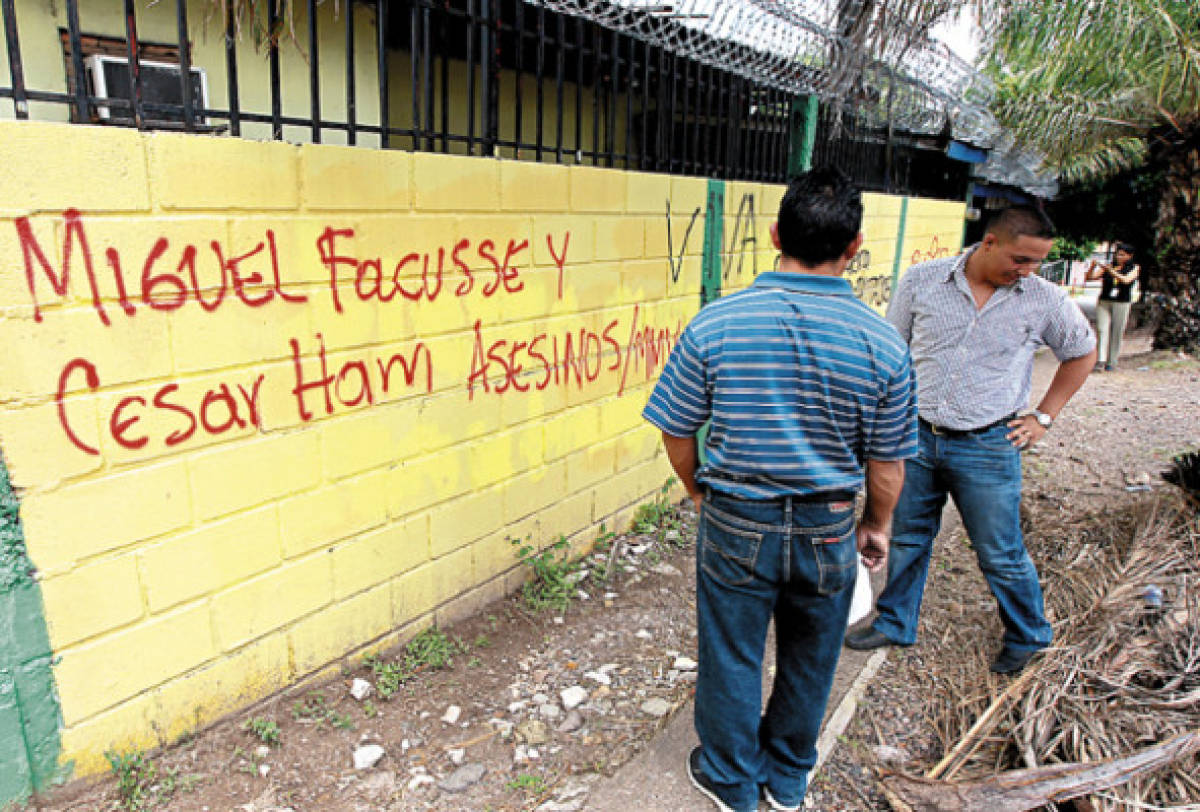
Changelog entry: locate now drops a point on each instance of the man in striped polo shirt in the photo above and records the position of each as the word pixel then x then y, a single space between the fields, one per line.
pixel 810 393
pixel 973 323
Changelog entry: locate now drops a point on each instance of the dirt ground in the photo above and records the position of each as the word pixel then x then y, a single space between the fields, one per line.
pixel 493 730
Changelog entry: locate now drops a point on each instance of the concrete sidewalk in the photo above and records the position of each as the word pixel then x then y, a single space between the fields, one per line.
pixel 656 780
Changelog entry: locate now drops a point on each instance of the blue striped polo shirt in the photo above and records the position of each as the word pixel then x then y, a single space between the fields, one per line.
pixel 802 381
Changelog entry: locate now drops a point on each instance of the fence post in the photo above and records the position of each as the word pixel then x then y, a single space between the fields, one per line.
pixel 804 134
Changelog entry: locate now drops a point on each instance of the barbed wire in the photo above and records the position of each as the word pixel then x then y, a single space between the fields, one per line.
pixel 873 59
pixel 885 68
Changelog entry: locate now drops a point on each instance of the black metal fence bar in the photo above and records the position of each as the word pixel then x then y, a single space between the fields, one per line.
pixel 382 71
pixel 519 81
pixel 135 63
pixel 231 70
pixel 539 133
pixel 15 69
pixel 273 66
pixel 560 75
pixel 471 69
pixel 81 94
pixel 351 106
pixel 427 78
pixel 445 84
pixel 185 65
pixel 314 72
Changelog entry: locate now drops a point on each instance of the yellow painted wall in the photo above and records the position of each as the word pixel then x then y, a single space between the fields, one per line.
pixel 233 551
pixel 933 229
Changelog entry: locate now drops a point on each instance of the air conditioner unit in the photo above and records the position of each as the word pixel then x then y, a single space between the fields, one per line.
pixel 109 77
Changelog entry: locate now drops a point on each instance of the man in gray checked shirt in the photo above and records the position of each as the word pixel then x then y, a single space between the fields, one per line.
pixel 973 323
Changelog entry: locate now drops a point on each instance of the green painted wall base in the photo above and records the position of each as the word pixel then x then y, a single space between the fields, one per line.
pixel 30 717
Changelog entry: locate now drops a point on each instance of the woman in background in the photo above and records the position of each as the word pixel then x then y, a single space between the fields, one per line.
pixel 1112 308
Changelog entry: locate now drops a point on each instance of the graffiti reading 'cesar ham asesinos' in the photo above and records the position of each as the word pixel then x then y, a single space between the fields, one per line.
pixel 169 280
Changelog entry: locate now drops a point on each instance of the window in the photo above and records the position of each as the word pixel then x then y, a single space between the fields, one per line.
pixel 107 75
pixel 110 77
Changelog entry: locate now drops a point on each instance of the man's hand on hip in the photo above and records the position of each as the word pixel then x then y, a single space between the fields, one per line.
pixel 873 546
pixel 1026 431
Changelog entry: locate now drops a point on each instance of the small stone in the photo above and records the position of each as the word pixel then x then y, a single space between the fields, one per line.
pixel 263 769
pixel 262 751
pixel 549 711
pixel 684 664
pixel 540 698
pixel 532 753
pixel 380 785
pixel 518 706
pixel 642 634
pixel 671 537
pixel 665 569
pixel 533 732
pixel 456 755
pixel 888 755
pixel 360 689
pixel 451 715
pixel 463 777
pixel 561 806
pixel 656 707
pixel 367 756
pixel 418 781
pixel 572 722
pixel 598 676
pixel 574 696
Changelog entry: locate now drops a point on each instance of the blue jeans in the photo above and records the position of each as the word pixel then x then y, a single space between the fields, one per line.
pixel 982 472
pixel 795 561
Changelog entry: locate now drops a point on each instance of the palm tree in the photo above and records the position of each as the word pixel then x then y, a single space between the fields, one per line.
pixel 1102 86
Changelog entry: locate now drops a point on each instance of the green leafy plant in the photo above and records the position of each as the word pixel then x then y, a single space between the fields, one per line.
pixel 551 586
pixel 432 649
pixel 529 784
pixel 266 730
pixel 316 708
pixel 135 774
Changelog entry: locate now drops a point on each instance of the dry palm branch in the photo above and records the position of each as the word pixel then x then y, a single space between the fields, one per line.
pixel 1112 711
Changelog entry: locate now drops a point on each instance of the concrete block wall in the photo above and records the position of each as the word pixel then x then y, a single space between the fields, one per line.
pixel 265 405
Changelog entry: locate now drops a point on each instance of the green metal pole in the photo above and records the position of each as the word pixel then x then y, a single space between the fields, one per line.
pixel 804 134
pixel 899 241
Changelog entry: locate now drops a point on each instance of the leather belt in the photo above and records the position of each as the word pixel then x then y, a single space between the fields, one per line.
pixel 942 431
pixel 808 498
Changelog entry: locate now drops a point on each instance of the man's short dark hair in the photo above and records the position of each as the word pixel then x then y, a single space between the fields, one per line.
pixel 1021 221
pixel 819 216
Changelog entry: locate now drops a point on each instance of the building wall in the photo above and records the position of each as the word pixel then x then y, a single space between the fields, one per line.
pixel 276 436
pixel 39 24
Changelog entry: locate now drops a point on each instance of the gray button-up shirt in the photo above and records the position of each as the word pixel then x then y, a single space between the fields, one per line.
pixel 974 365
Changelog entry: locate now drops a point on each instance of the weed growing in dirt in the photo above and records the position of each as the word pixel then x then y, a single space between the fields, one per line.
pixel 369 710
pixel 551 586
pixel 135 774
pixel 658 516
pixel 266 730
pixel 530 784
pixel 432 649
pixel 315 708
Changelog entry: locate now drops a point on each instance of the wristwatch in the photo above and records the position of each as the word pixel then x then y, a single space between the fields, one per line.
pixel 1043 419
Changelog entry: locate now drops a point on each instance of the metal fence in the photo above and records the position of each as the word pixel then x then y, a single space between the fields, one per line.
pixel 481 77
